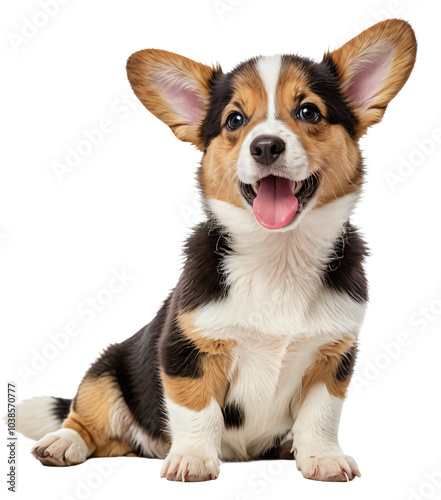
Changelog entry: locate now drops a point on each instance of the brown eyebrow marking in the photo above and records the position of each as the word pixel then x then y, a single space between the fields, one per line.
pixel 299 96
pixel 237 104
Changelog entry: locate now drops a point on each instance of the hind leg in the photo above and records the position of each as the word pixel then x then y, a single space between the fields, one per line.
pixel 92 427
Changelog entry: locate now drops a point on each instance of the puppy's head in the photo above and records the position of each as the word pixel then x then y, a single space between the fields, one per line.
pixel 279 134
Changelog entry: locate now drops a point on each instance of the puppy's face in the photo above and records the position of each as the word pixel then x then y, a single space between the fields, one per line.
pixel 279 139
pixel 279 134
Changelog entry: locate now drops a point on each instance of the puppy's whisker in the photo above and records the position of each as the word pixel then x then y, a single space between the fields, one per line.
pixel 326 175
pixel 233 178
pixel 223 165
pixel 335 175
pixel 333 171
pixel 220 186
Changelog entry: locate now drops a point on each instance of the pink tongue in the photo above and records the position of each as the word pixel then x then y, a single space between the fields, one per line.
pixel 275 205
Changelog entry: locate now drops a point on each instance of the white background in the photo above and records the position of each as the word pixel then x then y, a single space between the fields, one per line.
pixel 130 203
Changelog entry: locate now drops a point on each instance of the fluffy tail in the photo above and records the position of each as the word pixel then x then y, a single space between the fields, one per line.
pixel 40 415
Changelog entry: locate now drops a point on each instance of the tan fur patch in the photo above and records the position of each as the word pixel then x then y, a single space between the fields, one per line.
pixel 197 393
pixel 324 370
pixel 72 422
pixel 114 448
pixel 218 169
pixel 91 417
pixel 336 159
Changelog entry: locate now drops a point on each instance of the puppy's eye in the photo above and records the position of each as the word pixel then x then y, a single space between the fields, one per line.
pixel 234 121
pixel 308 113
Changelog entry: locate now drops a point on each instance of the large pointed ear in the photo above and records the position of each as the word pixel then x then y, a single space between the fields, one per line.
pixel 373 67
pixel 175 89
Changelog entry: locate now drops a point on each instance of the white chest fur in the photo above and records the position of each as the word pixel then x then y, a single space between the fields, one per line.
pixel 275 279
pixel 278 312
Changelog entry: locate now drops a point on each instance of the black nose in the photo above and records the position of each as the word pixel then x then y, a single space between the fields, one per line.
pixel 266 149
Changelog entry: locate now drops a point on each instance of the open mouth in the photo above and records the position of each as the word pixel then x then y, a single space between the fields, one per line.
pixel 276 201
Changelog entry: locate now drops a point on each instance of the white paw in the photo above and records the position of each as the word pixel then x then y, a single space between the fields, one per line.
pixel 62 447
pixel 340 468
pixel 189 468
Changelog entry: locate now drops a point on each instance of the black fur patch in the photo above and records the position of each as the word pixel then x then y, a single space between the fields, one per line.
pixel 202 281
pixel 345 271
pixel 134 364
pixel 61 408
pixel 221 94
pixel 234 415
pixel 203 278
pixel 346 366
pixel 179 356
pixel 323 81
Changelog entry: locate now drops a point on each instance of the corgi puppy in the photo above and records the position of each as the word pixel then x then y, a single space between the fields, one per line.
pixel 251 354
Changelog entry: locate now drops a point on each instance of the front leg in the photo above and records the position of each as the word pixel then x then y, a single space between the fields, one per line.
pixel 196 442
pixel 194 372
pixel 316 449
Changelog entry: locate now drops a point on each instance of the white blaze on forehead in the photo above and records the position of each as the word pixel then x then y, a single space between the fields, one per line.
pixel 269 71
pixel 295 162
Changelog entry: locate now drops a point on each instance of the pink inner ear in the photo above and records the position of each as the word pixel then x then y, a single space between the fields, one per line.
pixel 183 95
pixel 370 71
